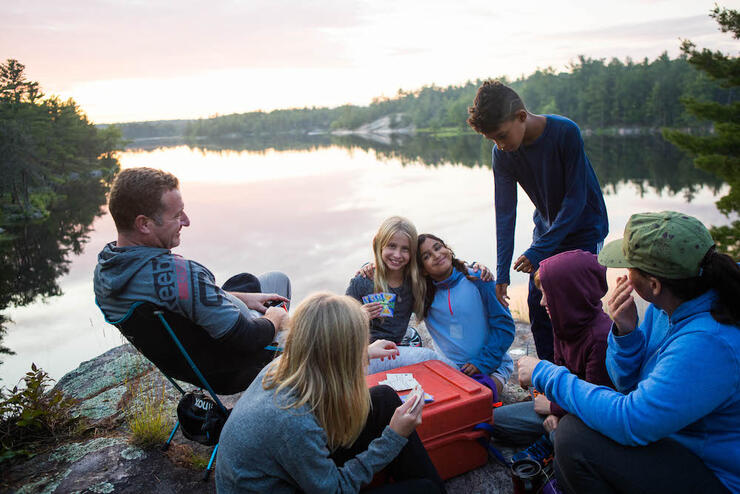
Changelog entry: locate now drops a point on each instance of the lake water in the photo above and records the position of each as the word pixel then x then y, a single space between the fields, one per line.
pixel 310 208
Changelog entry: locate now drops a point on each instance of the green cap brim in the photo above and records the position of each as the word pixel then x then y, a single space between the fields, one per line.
pixel 612 256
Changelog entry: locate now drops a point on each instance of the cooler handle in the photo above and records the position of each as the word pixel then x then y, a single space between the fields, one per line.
pixel 457 378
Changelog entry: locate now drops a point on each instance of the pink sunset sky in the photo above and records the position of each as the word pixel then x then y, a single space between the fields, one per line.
pixel 148 60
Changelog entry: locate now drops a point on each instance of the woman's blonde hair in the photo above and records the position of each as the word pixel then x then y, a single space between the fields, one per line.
pixel 389 227
pixel 323 365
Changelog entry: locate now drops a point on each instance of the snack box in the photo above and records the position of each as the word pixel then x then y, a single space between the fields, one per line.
pixel 460 403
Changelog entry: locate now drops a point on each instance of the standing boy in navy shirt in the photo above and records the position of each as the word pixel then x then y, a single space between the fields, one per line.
pixel 545 155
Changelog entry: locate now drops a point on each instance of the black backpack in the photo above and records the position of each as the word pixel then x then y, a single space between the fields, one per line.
pixel 201 420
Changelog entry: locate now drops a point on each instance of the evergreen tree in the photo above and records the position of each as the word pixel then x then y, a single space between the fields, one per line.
pixel 718 153
pixel 55 167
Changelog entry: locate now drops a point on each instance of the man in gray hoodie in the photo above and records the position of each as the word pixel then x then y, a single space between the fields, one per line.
pixel 149 213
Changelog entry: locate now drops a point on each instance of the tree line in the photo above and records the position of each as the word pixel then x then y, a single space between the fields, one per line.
pixel 595 93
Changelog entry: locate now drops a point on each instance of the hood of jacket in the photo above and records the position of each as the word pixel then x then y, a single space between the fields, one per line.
pixel 574 283
pixel 117 265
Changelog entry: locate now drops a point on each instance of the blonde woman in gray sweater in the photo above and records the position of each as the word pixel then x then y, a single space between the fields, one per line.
pixel 309 422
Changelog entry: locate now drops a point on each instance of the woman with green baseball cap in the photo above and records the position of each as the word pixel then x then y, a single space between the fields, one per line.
pixel 673 424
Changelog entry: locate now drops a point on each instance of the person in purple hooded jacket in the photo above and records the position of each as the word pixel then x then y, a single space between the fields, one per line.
pixel 572 285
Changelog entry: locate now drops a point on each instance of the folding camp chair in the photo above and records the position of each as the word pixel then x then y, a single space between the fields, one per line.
pixel 153 330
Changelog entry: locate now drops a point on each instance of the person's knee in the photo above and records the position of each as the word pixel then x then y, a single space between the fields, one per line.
pixel 277 282
pixel 573 443
pixel 382 394
pixel 384 401
pixel 570 430
pixel 243 282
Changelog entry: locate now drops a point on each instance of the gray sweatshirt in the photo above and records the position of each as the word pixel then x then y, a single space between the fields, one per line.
pixel 265 448
pixel 126 275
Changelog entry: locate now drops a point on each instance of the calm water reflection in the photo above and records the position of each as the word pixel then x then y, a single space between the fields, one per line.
pixel 309 207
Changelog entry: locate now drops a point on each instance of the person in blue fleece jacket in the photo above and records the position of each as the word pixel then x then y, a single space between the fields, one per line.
pixel 469 325
pixel 545 155
pixel 673 424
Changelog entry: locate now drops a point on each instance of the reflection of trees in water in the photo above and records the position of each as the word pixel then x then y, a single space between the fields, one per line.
pixel 647 161
pixel 33 255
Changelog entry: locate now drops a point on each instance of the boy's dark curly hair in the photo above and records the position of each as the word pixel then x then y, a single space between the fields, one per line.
pixel 494 104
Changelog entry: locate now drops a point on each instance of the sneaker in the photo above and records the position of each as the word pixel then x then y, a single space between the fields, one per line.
pixel 540 451
pixel 411 338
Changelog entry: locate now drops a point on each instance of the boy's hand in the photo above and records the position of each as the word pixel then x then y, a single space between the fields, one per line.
pixel 522 264
pixel 501 294
pixel 622 307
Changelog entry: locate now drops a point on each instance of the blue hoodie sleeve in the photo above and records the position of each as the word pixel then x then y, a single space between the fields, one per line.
pixel 667 400
pixel 573 158
pixel 625 354
pixel 500 326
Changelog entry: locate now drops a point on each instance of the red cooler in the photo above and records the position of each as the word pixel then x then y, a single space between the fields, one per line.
pixel 460 403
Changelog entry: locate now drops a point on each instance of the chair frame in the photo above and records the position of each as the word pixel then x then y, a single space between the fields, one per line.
pixel 159 313
pixel 204 382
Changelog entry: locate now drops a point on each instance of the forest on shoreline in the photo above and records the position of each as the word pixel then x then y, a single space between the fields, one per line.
pixel 597 94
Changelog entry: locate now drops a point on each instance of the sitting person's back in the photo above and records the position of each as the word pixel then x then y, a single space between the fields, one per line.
pixel 148 210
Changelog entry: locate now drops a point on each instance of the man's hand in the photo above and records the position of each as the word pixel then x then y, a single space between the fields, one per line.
pixel 525 368
pixel 541 404
pixel 551 423
pixel 382 349
pixel 485 273
pixel 258 301
pixel 278 317
pixel 501 294
pixel 470 369
pixel 373 309
pixel 622 306
pixel 367 271
pixel 522 264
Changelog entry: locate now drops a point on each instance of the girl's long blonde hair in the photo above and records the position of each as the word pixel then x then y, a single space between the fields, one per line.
pixel 323 365
pixel 389 227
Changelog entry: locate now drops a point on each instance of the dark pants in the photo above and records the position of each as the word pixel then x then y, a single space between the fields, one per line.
pixel 412 471
pixel 538 318
pixel 587 461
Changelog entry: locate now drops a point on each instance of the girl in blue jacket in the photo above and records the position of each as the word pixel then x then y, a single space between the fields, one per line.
pixel 469 325
pixel 673 424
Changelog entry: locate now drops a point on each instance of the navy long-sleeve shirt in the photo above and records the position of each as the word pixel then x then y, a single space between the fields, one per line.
pixel 556 174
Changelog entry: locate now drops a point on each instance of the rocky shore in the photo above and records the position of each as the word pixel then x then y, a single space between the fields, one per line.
pixel 105 461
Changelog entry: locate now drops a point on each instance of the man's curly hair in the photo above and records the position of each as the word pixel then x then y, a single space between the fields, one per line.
pixel 494 104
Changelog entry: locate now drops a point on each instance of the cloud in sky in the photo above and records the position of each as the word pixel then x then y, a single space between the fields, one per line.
pixel 124 60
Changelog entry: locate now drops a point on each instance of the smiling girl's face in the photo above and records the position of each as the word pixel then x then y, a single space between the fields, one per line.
pixel 396 254
pixel 436 259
